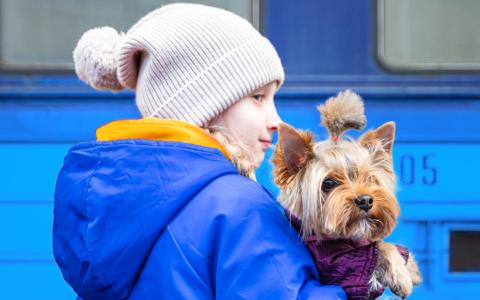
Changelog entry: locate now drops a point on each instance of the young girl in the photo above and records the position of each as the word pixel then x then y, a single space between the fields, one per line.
pixel 162 207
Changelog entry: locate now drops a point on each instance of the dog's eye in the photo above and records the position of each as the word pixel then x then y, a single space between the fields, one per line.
pixel 328 184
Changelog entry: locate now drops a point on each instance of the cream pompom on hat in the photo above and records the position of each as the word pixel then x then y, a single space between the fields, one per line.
pixel 187 62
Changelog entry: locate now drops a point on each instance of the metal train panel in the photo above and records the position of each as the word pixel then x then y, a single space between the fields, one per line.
pixel 326 46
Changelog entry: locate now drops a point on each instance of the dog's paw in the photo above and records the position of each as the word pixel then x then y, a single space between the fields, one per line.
pixel 413 269
pixel 402 288
pixel 392 271
pixel 401 282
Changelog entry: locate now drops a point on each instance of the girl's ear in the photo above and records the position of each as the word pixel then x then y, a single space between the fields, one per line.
pixel 294 149
pixel 383 136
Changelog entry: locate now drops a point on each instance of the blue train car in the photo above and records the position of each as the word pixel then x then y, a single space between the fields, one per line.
pixel 414 62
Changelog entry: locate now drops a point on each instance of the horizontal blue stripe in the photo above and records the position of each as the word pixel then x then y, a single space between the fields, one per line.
pixel 33 281
pixel 75 120
pixel 26 233
pixel 28 261
pixel 29 172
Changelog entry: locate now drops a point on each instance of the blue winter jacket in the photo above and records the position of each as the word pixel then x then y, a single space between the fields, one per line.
pixel 152 219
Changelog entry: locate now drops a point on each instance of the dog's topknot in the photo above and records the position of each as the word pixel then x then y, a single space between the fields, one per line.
pixel 343 112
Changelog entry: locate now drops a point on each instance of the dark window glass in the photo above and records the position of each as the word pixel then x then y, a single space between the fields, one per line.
pixel 42 34
pixel 429 34
pixel 464 251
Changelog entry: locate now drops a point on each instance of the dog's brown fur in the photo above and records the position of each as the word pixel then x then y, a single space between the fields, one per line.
pixel 363 167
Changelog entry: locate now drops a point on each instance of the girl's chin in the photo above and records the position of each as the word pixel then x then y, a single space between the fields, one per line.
pixel 258 160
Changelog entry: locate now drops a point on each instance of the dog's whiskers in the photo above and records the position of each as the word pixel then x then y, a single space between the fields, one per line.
pixel 375 222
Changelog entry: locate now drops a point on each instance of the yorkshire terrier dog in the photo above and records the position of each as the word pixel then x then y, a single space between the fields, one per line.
pixel 340 196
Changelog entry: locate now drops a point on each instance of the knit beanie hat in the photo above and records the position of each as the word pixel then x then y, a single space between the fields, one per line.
pixel 187 62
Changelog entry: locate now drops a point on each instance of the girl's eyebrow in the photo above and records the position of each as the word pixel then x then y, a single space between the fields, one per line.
pixel 258 91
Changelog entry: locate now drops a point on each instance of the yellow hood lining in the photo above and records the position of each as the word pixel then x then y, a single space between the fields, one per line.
pixel 158 130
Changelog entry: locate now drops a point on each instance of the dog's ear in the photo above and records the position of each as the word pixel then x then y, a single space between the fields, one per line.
pixel 293 151
pixel 383 136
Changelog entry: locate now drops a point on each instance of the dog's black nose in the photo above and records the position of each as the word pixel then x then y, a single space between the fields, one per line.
pixel 364 202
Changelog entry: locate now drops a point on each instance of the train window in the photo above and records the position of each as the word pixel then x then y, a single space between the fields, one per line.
pixel 429 34
pixel 42 34
pixel 464 249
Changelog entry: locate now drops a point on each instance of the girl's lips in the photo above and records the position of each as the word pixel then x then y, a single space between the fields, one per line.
pixel 266 144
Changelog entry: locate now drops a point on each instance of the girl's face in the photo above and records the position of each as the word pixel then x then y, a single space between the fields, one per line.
pixel 252 121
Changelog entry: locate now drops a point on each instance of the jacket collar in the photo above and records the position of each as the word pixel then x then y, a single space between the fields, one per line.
pixel 158 130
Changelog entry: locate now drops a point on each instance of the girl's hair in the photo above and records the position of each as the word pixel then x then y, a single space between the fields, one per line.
pixel 238 151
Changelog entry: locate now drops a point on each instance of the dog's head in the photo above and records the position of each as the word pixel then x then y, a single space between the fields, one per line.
pixel 340 188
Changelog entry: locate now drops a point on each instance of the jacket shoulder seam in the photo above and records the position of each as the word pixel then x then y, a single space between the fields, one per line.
pixel 184 257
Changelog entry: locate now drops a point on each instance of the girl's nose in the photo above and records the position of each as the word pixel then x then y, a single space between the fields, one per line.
pixel 274 119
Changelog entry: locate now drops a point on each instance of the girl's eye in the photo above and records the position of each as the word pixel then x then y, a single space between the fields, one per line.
pixel 258 97
pixel 328 184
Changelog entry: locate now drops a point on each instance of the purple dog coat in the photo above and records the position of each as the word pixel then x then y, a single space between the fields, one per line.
pixel 347 263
